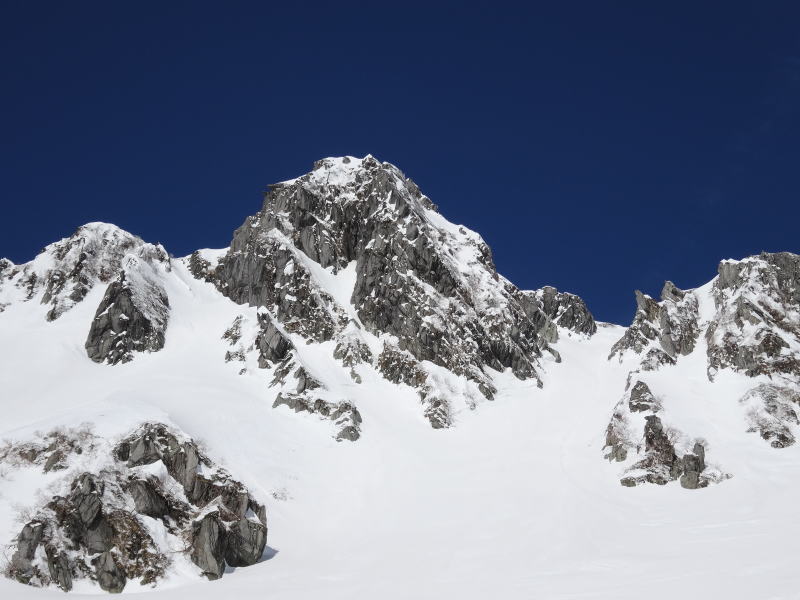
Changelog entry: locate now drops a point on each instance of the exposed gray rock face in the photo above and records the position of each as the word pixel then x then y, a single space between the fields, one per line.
pixel 67 270
pixel 652 454
pixel 565 310
pixel 642 399
pixel 27 543
pixel 273 345
pixel 352 350
pixel 96 531
pixel 59 567
pixel 430 284
pixel 245 543
pixel 110 577
pixel 7 271
pixel 132 317
pixel 757 326
pixel 399 366
pixel 5 268
pixel 772 411
pixel 148 499
pixel 208 545
pixel 661 331
pixel 343 414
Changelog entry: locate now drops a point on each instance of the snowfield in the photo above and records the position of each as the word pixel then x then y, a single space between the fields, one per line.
pixel 412 424
pixel 513 501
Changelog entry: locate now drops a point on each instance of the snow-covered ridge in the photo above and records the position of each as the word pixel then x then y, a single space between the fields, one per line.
pixel 318 358
pixel 424 292
pixel 65 271
pixel 742 327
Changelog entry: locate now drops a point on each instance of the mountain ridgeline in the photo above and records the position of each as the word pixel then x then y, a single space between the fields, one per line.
pixel 349 275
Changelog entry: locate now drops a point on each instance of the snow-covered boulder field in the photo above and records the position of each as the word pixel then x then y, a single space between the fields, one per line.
pixel 354 367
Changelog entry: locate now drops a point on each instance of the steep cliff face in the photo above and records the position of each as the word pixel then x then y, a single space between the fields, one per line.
pixel 132 317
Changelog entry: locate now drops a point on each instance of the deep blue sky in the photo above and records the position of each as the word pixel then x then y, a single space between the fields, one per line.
pixel 597 146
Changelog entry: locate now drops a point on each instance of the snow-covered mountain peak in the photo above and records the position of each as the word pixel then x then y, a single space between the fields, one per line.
pixel 64 272
pixel 424 289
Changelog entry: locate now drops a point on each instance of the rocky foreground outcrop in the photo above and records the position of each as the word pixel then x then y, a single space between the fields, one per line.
pixel 157 494
pixel 652 452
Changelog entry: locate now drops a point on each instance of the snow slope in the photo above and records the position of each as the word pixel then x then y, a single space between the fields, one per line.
pixel 513 502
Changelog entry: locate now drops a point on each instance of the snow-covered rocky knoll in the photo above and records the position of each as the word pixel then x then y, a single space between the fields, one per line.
pixel 747 320
pixel 354 368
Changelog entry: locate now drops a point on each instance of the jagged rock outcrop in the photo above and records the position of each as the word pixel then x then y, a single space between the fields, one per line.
pixel 273 345
pixel 564 309
pixel 750 324
pixel 772 412
pixel 430 284
pixel 754 327
pixel 132 317
pixel 199 266
pixel 343 414
pixel 110 577
pixel 96 530
pixel 400 366
pixel 352 349
pixel 653 453
pixel 757 326
pixel 64 272
pixel 661 331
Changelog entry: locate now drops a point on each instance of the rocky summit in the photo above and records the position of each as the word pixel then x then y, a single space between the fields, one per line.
pixel 354 366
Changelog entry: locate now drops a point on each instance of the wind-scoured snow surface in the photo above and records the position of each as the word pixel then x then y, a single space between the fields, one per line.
pixel 513 501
